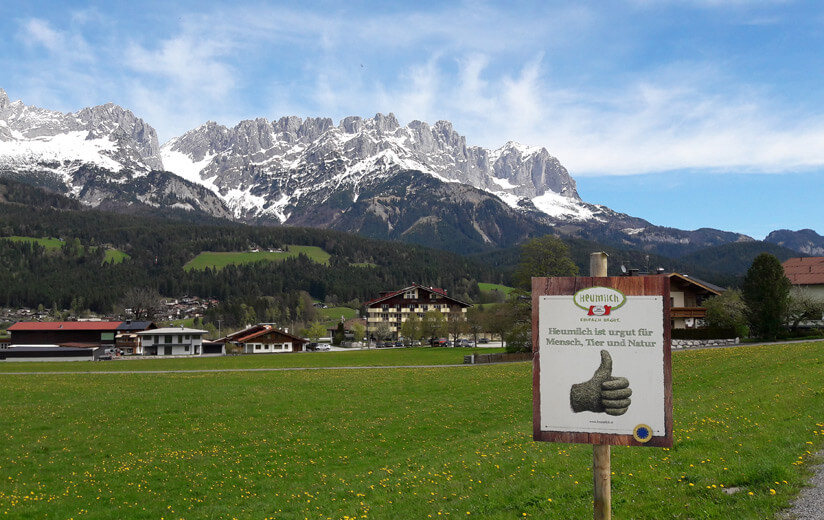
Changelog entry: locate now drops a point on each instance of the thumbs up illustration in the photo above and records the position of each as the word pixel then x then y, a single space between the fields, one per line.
pixel 603 393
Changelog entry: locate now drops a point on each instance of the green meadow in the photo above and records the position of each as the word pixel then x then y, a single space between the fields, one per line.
pixel 48 243
pixel 219 259
pixel 355 358
pixel 112 256
pixel 331 315
pixel 504 289
pixel 389 443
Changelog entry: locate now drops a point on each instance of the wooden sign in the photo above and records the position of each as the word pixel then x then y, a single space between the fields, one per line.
pixel 601 368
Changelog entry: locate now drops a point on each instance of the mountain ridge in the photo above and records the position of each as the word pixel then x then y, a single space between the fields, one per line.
pixel 362 175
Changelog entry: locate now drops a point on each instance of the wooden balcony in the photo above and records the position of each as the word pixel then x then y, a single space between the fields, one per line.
pixel 688 312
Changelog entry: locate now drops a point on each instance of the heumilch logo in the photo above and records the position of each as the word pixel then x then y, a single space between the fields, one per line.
pixel 599 301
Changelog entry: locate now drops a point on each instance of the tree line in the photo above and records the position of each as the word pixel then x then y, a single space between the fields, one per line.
pixel 158 248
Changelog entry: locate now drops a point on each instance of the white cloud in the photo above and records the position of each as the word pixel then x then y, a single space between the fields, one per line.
pixel 65 45
pixel 40 32
pixel 192 65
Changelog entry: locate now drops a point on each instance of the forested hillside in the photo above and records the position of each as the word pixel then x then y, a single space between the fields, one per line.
pixel 158 248
pixel 155 248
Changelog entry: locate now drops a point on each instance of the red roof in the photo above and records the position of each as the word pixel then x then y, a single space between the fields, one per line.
pixel 805 271
pixel 65 325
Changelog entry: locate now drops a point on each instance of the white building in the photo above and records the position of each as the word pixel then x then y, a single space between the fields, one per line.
pixel 171 341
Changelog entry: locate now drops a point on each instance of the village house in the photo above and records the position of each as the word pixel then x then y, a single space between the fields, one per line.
pixel 171 341
pixel 263 339
pixel 392 308
pixel 807 274
pixel 126 341
pixel 687 295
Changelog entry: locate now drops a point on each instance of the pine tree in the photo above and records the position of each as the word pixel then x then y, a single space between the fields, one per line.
pixel 766 292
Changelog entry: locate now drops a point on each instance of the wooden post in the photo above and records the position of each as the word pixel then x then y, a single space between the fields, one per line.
pixel 602 481
pixel 601 464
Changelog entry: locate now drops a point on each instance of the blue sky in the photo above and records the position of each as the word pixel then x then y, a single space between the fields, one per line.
pixel 690 113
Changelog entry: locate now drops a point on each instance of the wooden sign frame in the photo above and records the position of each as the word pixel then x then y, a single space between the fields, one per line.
pixel 629 286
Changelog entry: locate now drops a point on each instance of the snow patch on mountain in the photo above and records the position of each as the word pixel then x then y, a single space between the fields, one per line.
pixel 633 231
pixel 185 166
pixel 58 150
pixel 503 183
pixel 556 205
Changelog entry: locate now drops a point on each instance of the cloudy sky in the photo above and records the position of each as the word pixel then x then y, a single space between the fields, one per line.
pixel 688 113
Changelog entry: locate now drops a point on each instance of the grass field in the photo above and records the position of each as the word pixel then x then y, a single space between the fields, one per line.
pixel 48 243
pixel 354 358
pixel 396 443
pixel 495 287
pixel 331 315
pixel 219 260
pixel 115 256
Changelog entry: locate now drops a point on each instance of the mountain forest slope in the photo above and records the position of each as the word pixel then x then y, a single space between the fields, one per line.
pixel 155 244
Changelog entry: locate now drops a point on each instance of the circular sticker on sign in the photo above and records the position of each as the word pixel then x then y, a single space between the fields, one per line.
pixel 642 433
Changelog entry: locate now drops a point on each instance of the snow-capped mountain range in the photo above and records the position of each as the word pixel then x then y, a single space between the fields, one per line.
pixel 374 176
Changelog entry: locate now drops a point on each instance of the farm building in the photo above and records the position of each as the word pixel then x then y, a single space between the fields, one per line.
pixel 85 333
pixel 264 339
pixel 49 353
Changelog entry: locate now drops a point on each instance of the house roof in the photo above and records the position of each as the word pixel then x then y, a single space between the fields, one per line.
pixel 392 294
pixel 805 271
pixel 255 331
pixel 173 330
pixel 137 325
pixel 65 325
pixel 696 281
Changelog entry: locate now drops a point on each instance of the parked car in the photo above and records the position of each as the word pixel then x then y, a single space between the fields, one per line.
pixel 483 340
pixel 416 343
pixel 399 343
pixel 440 342
pixel 323 347
pixel 311 346
pixel 380 344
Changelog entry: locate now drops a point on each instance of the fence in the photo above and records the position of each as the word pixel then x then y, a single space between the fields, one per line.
pixel 503 357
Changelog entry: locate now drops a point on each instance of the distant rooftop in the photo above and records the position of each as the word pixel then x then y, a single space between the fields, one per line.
pixel 805 271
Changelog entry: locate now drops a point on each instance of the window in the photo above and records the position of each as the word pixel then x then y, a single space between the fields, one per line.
pixel 180 338
pixel 168 338
pixel 409 295
pixel 186 348
pixel 385 307
pixel 257 346
pixel 106 336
